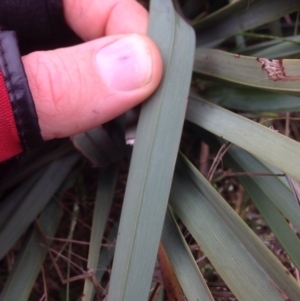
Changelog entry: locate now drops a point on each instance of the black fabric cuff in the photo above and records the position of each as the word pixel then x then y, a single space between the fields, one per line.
pixel 18 90
pixel 39 24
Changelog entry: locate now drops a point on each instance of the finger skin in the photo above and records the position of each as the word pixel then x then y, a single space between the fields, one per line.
pixel 92 19
pixel 70 96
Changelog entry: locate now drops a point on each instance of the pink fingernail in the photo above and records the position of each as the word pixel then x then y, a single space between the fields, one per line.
pixel 126 64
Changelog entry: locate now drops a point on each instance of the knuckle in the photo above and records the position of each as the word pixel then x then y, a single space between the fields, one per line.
pixel 54 82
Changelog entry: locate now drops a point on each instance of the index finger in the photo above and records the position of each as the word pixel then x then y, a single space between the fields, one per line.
pixel 91 19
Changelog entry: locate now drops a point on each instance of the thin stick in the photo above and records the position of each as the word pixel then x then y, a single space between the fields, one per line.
pixel 43 238
pixel 265 36
pixel 252 174
pixel 155 292
pixel 67 240
pixel 297 275
pixel 295 187
pixel 67 259
pixel 224 148
pixel 279 118
pixel 42 298
pixel 74 221
pixel 45 296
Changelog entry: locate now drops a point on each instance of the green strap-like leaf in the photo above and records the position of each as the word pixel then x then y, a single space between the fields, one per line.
pixel 264 143
pixel 289 46
pixel 153 159
pixel 251 100
pixel 104 197
pixel 29 262
pixel 184 265
pixel 269 194
pixel 248 267
pixel 20 174
pixel 9 204
pixel 276 75
pixel 35 200
pixel 107 253
pixel 240 16
pixel 276 189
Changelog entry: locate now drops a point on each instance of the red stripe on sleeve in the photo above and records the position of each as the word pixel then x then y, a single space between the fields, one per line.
pixel 10 144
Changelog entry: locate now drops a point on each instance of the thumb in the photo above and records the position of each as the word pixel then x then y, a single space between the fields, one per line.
pixel 78 88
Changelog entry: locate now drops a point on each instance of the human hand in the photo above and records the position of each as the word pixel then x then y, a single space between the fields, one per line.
pixel 77 88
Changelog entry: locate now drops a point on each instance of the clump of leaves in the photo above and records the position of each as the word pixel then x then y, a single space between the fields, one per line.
pixel 241 129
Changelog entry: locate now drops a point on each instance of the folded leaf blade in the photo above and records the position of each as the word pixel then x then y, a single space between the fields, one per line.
pixel 153 159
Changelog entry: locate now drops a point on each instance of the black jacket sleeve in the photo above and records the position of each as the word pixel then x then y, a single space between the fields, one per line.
pixel 39 24
pixel 33 25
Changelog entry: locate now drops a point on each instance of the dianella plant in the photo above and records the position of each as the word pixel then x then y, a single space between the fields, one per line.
pixel 215 149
